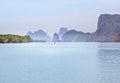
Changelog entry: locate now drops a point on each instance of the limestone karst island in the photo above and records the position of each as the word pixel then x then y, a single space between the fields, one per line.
pixel 108 30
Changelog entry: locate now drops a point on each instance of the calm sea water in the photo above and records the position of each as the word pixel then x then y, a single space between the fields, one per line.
pixel 60 63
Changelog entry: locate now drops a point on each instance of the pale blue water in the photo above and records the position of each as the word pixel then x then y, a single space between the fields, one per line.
pixel 60 63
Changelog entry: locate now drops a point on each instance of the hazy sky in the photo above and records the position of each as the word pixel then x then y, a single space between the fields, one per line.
pixel 21 16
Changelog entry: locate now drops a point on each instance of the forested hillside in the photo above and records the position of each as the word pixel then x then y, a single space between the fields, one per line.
pixel 14 39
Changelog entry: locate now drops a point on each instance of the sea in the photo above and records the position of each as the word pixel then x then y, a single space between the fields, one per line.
pixel 62 62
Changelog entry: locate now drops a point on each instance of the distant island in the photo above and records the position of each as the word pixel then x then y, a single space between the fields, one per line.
pixel 108 30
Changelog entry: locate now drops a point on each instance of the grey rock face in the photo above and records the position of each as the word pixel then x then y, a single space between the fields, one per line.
pixel 62 32
pixel 39 35
pixel 108 28
pixel 75 36
pixel 56 37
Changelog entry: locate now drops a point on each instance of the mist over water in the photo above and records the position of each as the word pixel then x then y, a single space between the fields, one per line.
pixel 60 63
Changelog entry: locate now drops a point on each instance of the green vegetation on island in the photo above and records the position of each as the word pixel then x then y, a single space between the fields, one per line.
pixel 14 39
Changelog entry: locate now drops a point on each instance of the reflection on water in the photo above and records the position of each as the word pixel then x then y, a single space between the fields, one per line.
pixel 109 64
